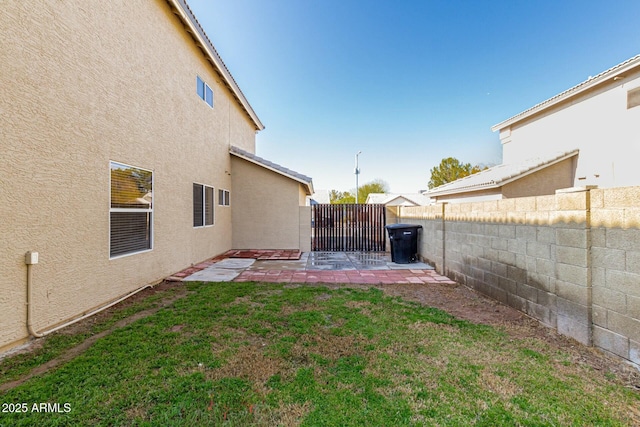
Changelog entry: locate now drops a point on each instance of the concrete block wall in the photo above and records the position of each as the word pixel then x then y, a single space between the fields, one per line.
pixel 615 270
pixel 570 260
pixel 305 230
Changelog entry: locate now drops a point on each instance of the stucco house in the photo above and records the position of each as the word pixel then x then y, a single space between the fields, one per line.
pixel 588 135
pixel 128 153
pixel 531 177
pixel 392 199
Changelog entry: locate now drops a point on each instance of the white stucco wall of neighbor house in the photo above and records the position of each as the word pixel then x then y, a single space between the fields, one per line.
pixel 598 122
pixel 84 83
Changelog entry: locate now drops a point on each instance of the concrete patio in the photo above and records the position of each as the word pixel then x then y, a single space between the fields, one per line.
pixel 311 267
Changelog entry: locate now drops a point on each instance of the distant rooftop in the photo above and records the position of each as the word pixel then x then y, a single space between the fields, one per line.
pixel 321 197
pixel 499 175
pixel 386 198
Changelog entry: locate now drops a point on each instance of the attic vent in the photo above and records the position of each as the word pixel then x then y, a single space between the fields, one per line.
pixel 633 98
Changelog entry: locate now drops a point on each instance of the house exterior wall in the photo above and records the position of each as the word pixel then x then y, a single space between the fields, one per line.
pixel 86 83
pixel 542 182
pixel 597 122
pixel 570 260
pixel 266 208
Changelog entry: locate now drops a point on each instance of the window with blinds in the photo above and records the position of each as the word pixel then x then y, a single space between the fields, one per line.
pixel 131 210
pixel 202 205
pixel 223 198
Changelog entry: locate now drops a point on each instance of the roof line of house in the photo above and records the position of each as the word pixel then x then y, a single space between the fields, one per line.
pixel 306 181
pixel 193 27
pixel 457 187
pixel 590 83
pixel 390 197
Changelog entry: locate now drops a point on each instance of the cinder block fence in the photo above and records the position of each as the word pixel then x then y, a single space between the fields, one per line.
pixel 570 260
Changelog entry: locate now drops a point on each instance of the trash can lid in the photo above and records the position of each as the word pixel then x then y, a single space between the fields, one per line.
pixel 401 226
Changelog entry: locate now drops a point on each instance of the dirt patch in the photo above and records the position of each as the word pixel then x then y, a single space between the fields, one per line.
pixel 87 324
pixel 249 362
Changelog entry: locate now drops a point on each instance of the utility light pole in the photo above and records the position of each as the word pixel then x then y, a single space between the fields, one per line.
pixel 357 173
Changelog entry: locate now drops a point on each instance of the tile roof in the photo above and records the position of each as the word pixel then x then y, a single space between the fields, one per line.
pixel 499 175
pixel 303 179
pixel 384 198
pixel 575 90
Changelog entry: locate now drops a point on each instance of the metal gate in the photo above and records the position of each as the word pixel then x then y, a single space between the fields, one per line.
pixel 348 227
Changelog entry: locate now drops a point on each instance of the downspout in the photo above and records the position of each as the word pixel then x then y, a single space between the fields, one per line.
pixel 31 258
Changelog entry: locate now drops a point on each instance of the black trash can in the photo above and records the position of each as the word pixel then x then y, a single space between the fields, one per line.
pixel 404 242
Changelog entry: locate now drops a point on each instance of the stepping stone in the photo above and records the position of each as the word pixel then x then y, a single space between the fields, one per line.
pixel 213 275
pixel 234 263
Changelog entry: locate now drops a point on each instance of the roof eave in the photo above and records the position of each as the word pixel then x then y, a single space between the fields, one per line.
pixel 308 185
pixel 193 27
pixel 580 88
pixel 464 190
pixel 508 180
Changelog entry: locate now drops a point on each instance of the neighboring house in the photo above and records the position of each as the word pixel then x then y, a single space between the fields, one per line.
pixel 393 202
pixel 533 177
pixel 405 199
pixel 127 155
pixel 320 197
pixel 598 120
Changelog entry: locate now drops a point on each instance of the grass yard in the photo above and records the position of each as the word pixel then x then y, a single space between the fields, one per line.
pixel 244 354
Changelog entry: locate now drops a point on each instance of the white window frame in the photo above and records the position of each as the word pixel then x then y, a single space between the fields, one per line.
pixel 225 200
pixel 133 210
pixel 204 205
pixel 207 91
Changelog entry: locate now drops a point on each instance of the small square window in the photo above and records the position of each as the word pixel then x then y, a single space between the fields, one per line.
pixel 224 198
pixel 204 91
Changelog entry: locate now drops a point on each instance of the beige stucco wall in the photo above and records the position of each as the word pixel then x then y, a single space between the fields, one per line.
pixel 86 82
pixel 597 122
pixel 266 208
pixel 543 182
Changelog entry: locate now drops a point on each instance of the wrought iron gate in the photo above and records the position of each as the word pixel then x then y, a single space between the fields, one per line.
pixel 348 227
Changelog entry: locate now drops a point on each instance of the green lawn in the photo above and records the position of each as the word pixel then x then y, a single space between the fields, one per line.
pixel 242 354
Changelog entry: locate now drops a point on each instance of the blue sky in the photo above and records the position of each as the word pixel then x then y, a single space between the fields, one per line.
pixel 406 82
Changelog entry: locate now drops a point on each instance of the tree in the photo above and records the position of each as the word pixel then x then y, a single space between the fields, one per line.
pixel 339 197
pixel 376 186
pixel 451 169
